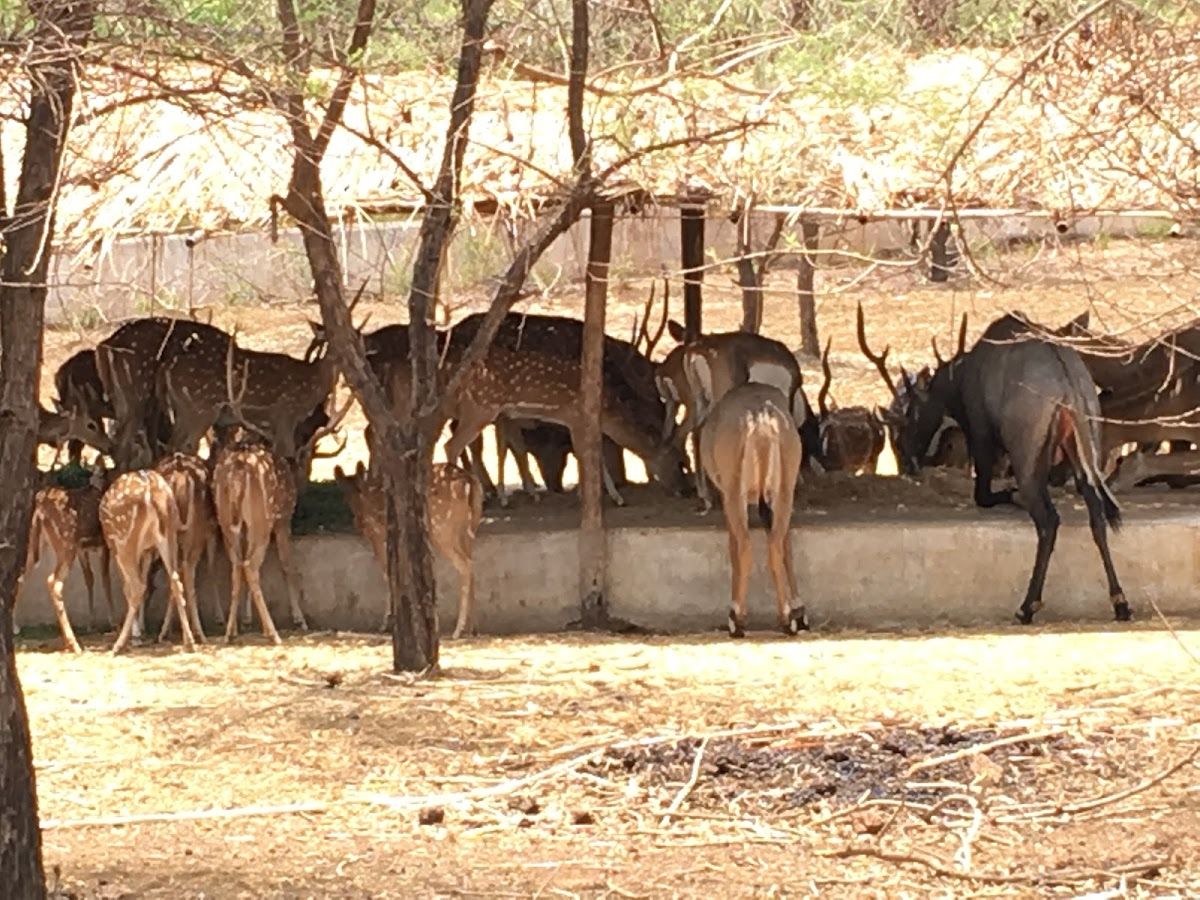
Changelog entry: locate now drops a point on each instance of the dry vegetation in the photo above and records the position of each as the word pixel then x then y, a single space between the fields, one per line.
pixel 546 767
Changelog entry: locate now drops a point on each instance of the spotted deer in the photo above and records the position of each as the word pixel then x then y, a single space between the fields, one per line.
pixel 530 384
pixel 255 496
pixel 188 477
pixel 750 448
pixel 271 393
pixel 139 517
pixel 68 521
pixel 128 363
pixel 81 394
pixel 455 510
pixel 69 426
pixel 852 437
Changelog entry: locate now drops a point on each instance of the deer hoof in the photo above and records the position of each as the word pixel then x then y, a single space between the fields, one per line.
pixel 735 627
pixel 1121 610
pixel 797 621
pixel 1024 616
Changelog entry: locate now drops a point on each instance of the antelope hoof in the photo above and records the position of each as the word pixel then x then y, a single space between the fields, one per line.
pixel 300 624
pixel 1121 610
pixel 797 621
pixel 735 627
pixel 1025 613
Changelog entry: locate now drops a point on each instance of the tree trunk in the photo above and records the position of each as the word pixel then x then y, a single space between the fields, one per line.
pixel 60 32
pixel 942 252
pixel 592 549
pixel 810 341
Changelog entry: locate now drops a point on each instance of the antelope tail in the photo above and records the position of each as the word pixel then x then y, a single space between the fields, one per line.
pixel 1089 463
pixel 761 468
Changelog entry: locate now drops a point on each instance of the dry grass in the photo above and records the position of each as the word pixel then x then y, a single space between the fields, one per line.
pixel 834 719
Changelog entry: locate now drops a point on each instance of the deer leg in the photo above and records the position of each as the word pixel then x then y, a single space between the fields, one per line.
pixel 739 561
pixel 793 618
pixel 703 490
pixel 253 570
pixel 283 546
pixel 168 621
pixel 168 553
pixel 515 438
pixel 609 487
pixel 983 455
pixel 472 460
pixel 1098 523
pixel 106 577
pixel 1036 500
pixel 237 568
pixel 502 448
pixel 187 572
pixel 460 558
pixel 467 432
pixel 133 576
pixel 54 587
pixel 89 583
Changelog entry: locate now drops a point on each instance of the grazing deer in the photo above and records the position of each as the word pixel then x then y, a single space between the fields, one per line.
pixel 851 438
pixel 188 477
pixel 271 393
pixel 455 510
pixel 714 364
pixel 530 384
pixel 1015 391
pixel 750 448
pixel 255 496
pixel 946 444
pixel 81 394
pixel 68 426
pixel 139 517
pixel 128 363
pixel 68 519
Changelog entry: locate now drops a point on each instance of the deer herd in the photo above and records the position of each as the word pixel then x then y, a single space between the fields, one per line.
pixel 1024 402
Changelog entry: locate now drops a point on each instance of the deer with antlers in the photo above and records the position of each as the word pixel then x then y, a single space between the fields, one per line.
pixel 750 448
pixel 947 445
pixel 139 517
pixel 851 438
pixel 455 510
pixel 68 521
pixel 254 494
pixel 128 363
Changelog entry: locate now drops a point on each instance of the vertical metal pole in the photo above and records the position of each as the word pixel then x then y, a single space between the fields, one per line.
pixel 593 551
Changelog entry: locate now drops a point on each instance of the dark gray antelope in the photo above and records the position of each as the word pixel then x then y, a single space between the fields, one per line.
pixel 1017 393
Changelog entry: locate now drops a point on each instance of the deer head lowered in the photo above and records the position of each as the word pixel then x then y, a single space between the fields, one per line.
pixel 455 510
pixel 534 385
pixel 851 438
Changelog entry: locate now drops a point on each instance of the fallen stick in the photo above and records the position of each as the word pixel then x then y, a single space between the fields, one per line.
pixel 931 863
pixel 687 787
pixel 1096 802
pixel 981 748
pixel 193 815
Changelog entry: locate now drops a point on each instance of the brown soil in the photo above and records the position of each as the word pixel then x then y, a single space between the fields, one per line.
pixel 605 733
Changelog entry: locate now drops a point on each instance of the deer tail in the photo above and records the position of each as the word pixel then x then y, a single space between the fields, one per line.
pixel 761 468
pixel 1083 429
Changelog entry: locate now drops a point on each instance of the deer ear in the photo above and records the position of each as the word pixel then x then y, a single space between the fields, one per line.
pixel 338 474
pixel 360 470
pixel 318 329
pixel 675 330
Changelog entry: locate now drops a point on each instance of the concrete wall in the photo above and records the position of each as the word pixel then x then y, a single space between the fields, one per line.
pixel 968 569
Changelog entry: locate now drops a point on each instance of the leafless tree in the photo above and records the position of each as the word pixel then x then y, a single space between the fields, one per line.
pixel 60 29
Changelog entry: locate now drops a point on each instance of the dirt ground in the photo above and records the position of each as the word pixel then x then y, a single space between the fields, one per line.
pixel 563 767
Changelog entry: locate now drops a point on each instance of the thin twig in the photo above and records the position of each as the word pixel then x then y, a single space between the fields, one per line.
pixel 981 748
pixel 185 816
pixel 687 787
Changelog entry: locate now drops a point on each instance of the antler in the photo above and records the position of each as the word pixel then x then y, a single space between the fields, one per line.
pixel 962 335
pixel 880 360
pixel 643 331
pixel 937 354
pixel 235 404
pixel 824 392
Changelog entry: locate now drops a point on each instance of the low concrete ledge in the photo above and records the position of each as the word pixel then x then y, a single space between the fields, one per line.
pixel 960 569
